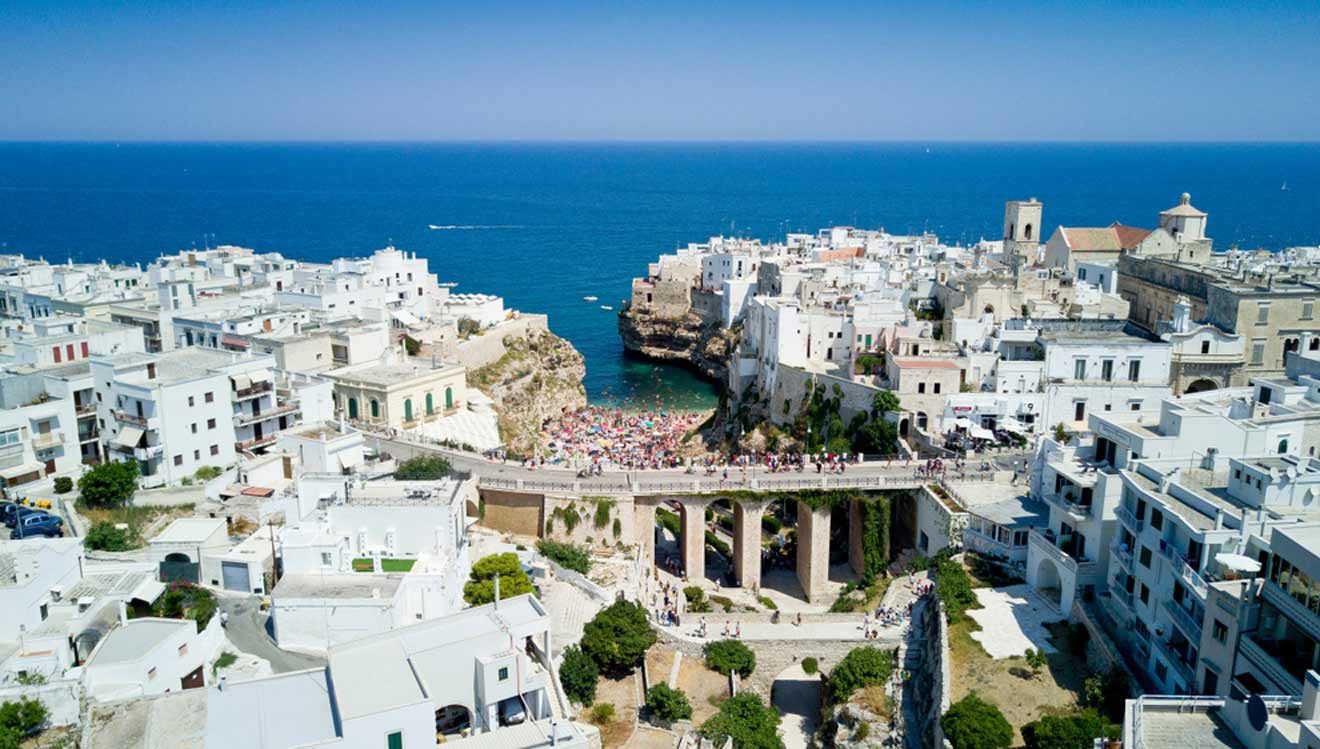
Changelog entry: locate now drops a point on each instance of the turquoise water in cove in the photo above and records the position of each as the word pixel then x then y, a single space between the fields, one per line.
pixel 546 224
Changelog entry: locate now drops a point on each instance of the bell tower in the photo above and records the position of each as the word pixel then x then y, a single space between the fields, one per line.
pixel 1022 233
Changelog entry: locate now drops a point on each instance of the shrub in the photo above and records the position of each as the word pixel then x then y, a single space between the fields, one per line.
pixel 810 665
pixel 225 660
pixel 183 600
pixel 953 586
pixel 862 731
pixel 422 468
pixel 568 516
pixel 729 656
pixel 718 544
pixel 22 718
pixel 206 473
pixel 63 484
pixel 973 723
pixel 480 587
pixel 1063 732
pixel 109 484
pixel 567 555
pixel 1036 660
pixel 862 667
pixel 602 713
pixel 105 536
pixel 771 524
pixel 1108 692
pixel 602 516
pixel 618 528
pixel 618 637
pixel 751 724
pixel 668 704
pixel 767 603
pixel 723 602
pixel 669 521
pixel 578 674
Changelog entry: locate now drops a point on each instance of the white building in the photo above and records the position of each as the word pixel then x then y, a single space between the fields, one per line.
pixel 151 656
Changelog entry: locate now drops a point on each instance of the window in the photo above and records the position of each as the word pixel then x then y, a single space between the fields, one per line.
pixel 1205 347
pixel 1079 410
pixel 183 650
pixel 1136 406
pixel 937 388
pixel 210 423
pixel 1107 370
pixel 1144 557
pixel 1258 352
pixel 1307 308
pixel 215 449
pixel 45 611
pixel 326 559
pixel 178 460
pixel 210 398
pixel 151 675
pixel 504 673
pixel 1134 370
pixel 1262 313
pixel 1145 594
pixel 192 401
pixel 197 454
pixel 1156 519
pixel 1079 369
pixel 1161 670
pixel 194 427
pixel 921 387
pixel 394 740
pixel 1220 632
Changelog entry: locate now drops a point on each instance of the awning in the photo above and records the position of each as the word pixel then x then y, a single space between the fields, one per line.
pixel 405 317
pixel 148 590
pixel 259 375
pixel 1238 562
pixel 1013 425
pixel 963 423
pixel 981 433
pixel 128 436
pixel 22 469
pixel 258 491
pixel 241 382
pixel 235 342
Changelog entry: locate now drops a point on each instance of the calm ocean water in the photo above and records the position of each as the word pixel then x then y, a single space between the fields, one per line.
pixel 546 224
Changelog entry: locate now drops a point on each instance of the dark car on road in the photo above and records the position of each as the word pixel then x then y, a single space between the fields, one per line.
pixel 11 513
pixel 38 524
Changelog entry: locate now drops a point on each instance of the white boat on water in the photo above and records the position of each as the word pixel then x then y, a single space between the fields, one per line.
pixel 590 298
pixel 607 308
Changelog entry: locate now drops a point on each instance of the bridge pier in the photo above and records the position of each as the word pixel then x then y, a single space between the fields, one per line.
pixel 645 528
pixel 813 551
pixel 856 547
pixel 693 543
pixel 747 542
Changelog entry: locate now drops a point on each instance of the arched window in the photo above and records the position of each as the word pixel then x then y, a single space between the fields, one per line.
pixel 407 409
pixel 1315 344
pixel 1283 446
pixel 430 406
pixel 375 409
pixel 449 398
pixel 1027 231
pixel 352 408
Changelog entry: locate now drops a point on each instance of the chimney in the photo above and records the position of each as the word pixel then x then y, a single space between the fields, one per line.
pixel 497 592
pixel 1310 700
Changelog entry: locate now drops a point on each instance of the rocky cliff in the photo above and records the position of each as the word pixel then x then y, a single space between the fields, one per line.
pixel 685 340
pixel 539 377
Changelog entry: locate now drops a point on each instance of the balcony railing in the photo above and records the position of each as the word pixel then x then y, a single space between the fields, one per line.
pixel 1046 544
pixel 148 452
pixel 1124 558
pixel 47 440
pixel 146 422
pixel 1130 520
pixel 85 409
pixel 1272 668
pixel 243 418
pixel 1176 662
pixel 1184 621
pixel 1070 505
pixel 258 442
pixel 254 391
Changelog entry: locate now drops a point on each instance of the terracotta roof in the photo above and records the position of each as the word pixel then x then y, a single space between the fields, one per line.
pixel 1093 239
pixel 1129 236
pixel 921 363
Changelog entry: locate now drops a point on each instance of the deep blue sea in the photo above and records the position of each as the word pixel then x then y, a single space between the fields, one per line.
pixel 546 224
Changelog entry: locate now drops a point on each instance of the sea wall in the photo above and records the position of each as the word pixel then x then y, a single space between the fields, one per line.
pixel 483 350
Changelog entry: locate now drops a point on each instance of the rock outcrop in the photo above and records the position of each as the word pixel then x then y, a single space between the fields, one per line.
pixel 689 339
pixel 538 378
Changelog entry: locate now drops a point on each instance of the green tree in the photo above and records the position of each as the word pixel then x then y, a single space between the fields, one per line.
pixel 105 536
pixel 24 717
pixel 63 484
pixel 183 600
pixel 618 637
pixel 876 437
pixel 9 738
pixel 728 656
pixel 1036 660
pixel 109 484
pixel 884 402
pixel 751 724
pixel 1064 732
pixel 422 468
pixel 668 704
pixel 480 587
pixel 862 667
pixel 973 723
pixel 578 674
pixel 567 555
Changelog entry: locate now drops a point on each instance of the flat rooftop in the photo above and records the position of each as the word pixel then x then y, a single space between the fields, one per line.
pixel 135 639
pixel 384 375
pixel 292 709
pixel 190 530
pixel 351 586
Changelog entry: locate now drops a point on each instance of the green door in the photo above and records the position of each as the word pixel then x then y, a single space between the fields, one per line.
pixel 430 407
pixel 407 409
pixel 394 740
pixel 352 408
pixel 375 409
pixel 449 398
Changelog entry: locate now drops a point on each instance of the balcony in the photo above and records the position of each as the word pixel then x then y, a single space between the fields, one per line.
pixel 1069 504
pixel 1130 520
pixel 255 443
pixel 1176 662
pixel 149 452
pixel 244 419
pixel 146 422
pixel 1124 558
pixel 253 391
pixel 85 409
pixel 1268 665
pixel 1126 602
pixel 1045 541
pixel 1184 621
pixel 1299 615
pixel 47 441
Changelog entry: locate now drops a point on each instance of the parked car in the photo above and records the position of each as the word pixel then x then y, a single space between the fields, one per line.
pixel 19 511
pixel 511 712
pixel 38 524
pixel 7 509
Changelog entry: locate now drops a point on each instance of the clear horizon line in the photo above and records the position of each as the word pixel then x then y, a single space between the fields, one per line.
pixel 646 141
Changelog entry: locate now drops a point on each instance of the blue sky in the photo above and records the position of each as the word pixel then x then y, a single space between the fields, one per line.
pixel 338 70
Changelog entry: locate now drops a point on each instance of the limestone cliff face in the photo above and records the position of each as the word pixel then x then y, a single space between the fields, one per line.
pixel 687 340
pixel 539 377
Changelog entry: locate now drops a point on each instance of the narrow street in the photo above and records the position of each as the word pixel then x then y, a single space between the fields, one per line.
pixel 247 630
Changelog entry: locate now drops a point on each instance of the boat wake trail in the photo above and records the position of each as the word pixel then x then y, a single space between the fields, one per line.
pixel 473 227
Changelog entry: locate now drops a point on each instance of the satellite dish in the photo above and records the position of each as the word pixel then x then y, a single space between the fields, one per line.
pixel 1257 713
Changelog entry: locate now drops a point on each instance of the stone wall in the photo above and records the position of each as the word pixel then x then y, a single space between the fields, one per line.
pixel 514 512
pixel 791 385
pixel 63 700
pixel 487 348
pixel 708 305
pixel 586 532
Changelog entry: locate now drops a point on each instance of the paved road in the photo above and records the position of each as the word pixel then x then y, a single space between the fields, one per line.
pixel 508 475
pixel 247 629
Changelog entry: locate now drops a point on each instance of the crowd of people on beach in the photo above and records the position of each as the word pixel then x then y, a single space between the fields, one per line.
pixel 595 437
